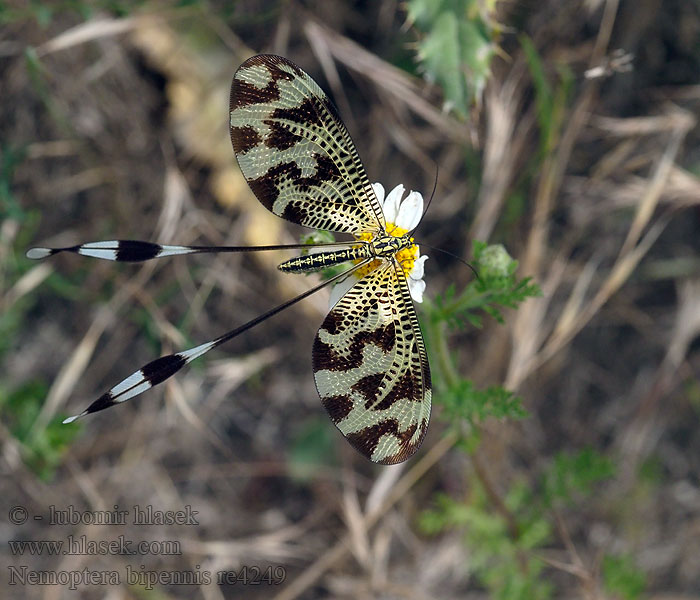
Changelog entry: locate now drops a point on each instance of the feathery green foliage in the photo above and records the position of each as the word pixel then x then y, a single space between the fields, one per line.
pixel 456 47
pixel 464 406
pixel 41 447
pixel 622 578
pixel 505 538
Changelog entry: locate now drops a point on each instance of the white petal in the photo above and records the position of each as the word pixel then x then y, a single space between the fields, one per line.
pixel 379 192
pixel 392 202
pixel 339 290
pixel 418 268
pixel 416 287
pixel 410 211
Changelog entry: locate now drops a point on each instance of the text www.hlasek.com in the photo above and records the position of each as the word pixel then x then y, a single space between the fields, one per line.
pixel 82 546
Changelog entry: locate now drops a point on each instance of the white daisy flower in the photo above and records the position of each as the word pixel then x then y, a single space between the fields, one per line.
pixel 401 217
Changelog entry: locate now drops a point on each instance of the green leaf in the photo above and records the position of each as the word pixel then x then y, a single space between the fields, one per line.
pixel 313 446
pixel 550 102
pixel 543 91
pixel 42 13
pixel 575 475
pixel 463 401
pixel 622 578
pixel 42 450
pixel 424 12
pixel 316 237
pixel 456 49
pixel 496 287
pixel 504 565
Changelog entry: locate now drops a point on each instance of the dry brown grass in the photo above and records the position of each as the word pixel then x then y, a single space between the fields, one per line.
pixel 126 137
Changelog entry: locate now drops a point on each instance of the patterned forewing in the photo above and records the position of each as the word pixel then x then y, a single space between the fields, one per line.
pixel 371 369
pixel 295 151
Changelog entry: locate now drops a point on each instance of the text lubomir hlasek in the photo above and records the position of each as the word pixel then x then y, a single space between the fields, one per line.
pixel 137 515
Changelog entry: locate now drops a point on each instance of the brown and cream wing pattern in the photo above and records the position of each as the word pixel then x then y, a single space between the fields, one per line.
pixel 295 152
pixel 371 368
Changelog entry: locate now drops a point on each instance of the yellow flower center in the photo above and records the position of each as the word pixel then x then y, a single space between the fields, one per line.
pixel 406 257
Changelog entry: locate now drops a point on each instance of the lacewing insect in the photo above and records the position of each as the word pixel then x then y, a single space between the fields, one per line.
pixel 369 360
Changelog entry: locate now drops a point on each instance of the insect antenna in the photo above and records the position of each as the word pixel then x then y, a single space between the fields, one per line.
pixel 459 258
pixel 427 206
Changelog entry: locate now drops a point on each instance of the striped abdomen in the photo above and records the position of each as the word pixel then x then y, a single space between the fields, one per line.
pixel 328 258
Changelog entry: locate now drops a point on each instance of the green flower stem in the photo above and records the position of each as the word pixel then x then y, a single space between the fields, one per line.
pixel 437 334
pixel 445 362
pixel 498 503
pixel 471 299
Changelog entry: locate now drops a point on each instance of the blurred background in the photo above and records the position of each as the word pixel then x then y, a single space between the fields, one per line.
pixel 563 456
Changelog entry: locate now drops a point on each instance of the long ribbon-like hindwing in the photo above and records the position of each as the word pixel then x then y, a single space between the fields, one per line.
pixel 165 367
pixel 138 251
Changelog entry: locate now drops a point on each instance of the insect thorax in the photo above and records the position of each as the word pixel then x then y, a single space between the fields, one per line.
pixel 389 245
